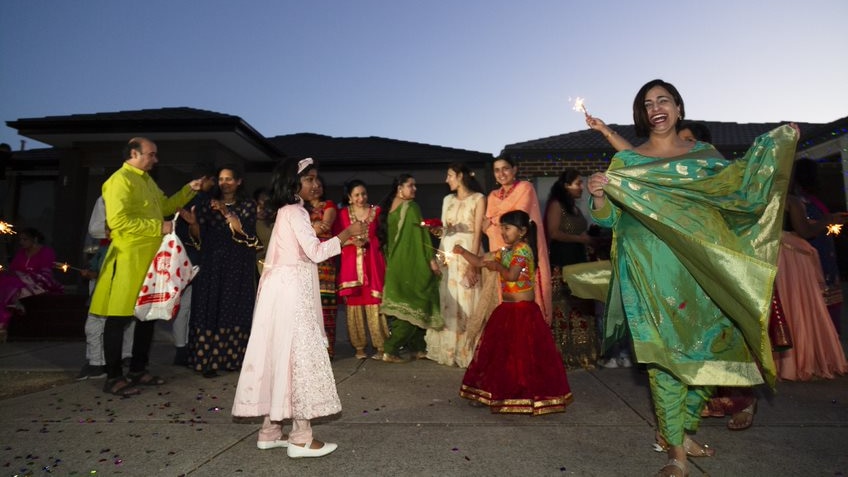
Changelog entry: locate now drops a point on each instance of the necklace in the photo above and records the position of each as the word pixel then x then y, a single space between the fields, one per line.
pixel 503 193
pixel 355 216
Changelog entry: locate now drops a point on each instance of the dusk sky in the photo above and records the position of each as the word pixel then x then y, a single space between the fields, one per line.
pixel 474 75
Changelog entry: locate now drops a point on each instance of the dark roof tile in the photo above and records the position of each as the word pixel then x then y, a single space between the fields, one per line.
pixel 349 151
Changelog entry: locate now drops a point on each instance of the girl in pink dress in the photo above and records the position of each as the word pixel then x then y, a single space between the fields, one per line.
pixel 286 372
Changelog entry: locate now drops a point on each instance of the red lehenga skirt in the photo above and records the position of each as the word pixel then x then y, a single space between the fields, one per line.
pixel 516 368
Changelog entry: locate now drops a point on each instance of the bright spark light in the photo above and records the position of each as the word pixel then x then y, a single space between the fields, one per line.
pixel 834 229
pixel 6 228
pixel 580 106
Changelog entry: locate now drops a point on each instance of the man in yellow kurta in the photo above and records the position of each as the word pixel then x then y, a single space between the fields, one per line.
pixel 135 211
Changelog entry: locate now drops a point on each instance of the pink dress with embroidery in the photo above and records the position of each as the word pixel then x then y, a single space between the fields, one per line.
pixel 286 371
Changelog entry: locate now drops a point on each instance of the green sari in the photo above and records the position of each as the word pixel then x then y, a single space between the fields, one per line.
pixel 694 257
pixel 411 290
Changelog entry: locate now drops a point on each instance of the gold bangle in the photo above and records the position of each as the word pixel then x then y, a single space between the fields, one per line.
pixel 609 135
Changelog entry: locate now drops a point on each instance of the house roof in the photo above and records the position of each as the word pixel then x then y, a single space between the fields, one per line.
pixel 730 138
pixel 180 123
pixel 347 152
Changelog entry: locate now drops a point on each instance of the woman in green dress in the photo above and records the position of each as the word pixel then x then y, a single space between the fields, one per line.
pixel 411 290
pixel 695 242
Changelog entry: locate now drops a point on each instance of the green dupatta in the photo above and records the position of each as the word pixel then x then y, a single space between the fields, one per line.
pixel 411 290
pixel 720 220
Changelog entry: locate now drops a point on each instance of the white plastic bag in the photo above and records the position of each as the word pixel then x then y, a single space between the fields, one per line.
pixel 169 274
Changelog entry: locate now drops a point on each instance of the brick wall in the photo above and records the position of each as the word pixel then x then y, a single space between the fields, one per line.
pixel 530 168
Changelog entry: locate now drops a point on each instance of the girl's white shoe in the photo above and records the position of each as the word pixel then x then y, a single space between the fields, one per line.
pixel 295 451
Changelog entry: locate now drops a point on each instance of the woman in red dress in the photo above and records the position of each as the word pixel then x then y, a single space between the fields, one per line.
pixel 362 270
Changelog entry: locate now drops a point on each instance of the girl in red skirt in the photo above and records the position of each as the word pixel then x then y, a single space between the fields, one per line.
pixel 516 368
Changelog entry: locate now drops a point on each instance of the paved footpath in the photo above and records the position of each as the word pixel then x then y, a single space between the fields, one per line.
pixel 398 420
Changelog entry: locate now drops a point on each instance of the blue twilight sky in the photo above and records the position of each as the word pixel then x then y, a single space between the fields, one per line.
pixel 469 74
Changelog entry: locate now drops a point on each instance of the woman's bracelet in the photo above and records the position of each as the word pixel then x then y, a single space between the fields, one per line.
pixel 609 134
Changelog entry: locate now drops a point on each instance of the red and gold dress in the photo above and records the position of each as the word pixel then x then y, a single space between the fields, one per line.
pixel 360 284
pixel 517 368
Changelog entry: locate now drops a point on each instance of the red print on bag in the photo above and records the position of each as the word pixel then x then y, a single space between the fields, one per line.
pixel 163 263
pixel 154 298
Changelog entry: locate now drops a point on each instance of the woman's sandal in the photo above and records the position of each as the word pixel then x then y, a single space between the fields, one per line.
pixel 696 449
pixel 390 358
pixel 743 419
pixel 145 379
pixel 692 448
pixel 674 468
pixel 120 387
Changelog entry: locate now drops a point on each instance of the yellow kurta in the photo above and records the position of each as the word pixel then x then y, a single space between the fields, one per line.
pixel 135 208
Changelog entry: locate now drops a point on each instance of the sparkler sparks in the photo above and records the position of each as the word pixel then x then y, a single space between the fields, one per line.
pixel 441 255
pixel 834 229
pixel 580 106
pixel 6 228
pixel 65 267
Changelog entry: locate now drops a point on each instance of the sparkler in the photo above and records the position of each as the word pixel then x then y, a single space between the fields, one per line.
pixel 834 229
pixel 442 255
pixel 580 106
pixel 6 228
pixel 65 267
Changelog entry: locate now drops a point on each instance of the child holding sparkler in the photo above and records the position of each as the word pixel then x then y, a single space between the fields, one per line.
pixel 516 367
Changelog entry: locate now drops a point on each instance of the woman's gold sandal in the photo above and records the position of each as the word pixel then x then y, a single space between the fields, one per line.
pixel 674 468
pixel 692 448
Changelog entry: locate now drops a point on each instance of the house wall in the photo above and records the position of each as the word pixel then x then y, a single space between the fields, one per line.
pixel 834 186
pixel 531 168
pixel 838 149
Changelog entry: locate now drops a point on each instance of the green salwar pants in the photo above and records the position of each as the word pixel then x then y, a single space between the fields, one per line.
pixel 406 334
pixel 677 406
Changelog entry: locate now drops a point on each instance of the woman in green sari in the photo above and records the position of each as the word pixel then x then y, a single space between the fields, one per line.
pixel 695 242
pixel 411 288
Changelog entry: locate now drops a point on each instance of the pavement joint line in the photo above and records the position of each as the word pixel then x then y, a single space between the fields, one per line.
pixel 355 371
pixel 197 467
pixel 647 419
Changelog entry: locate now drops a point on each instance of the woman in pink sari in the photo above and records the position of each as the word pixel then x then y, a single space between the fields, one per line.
pixel 816 350
pixel 513 194
pixel 30 273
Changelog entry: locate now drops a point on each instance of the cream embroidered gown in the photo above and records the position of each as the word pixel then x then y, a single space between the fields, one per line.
pixel 450 345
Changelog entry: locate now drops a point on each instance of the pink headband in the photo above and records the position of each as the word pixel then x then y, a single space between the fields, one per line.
pixel 303 164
